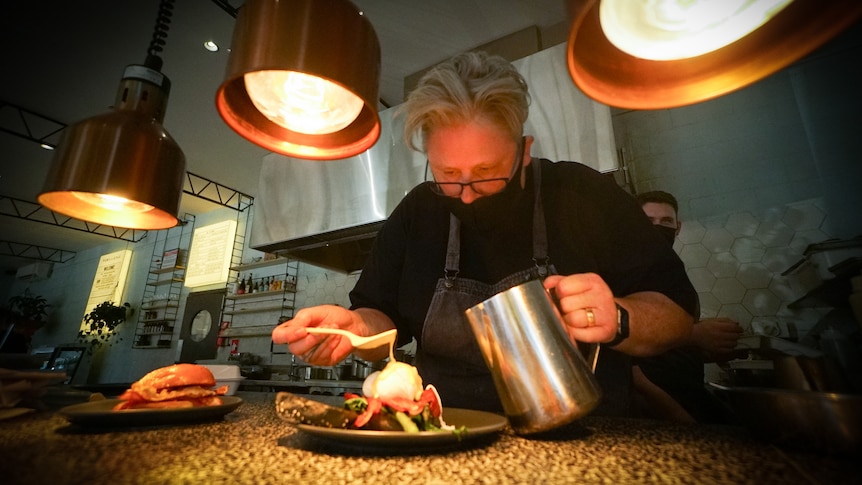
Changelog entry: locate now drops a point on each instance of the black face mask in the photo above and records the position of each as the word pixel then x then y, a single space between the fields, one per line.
pixel 669 233
pixel 490 210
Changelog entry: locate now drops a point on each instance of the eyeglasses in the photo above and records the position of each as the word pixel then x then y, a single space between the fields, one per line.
pixel 481 187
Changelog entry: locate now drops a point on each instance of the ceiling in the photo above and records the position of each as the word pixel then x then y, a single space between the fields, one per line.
pixel 64 59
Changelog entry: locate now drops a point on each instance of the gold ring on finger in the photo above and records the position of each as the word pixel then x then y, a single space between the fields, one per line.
pixel 591 317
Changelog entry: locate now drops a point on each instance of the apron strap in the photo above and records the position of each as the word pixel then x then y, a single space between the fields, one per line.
pixel 453 249
pixel 540 233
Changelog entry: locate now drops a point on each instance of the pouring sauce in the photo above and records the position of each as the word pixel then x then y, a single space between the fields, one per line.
pixel 396 376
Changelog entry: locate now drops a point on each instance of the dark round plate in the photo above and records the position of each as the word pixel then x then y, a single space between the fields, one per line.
pixel 101 414
pixel 479 424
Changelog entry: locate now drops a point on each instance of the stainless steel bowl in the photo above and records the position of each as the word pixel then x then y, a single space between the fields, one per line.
pixel 821 421
pixel 322 373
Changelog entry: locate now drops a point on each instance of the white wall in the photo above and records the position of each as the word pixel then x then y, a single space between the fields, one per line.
pixel 69 286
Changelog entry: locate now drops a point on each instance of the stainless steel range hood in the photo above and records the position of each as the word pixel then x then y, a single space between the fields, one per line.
pixel 343 250
pixel 328 213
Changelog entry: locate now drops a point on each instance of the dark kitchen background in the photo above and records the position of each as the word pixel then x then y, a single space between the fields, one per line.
pixel 767 177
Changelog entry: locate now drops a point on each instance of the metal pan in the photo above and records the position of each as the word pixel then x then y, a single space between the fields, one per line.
pixel 817 421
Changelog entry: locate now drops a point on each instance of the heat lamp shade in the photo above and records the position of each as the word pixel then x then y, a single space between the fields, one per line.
pixel 616 78
pixel 329 39
pixel 123 154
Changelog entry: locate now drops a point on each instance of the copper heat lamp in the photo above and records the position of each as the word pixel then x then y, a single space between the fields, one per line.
pixel 618 78
pixel 122 168
pixel 302 78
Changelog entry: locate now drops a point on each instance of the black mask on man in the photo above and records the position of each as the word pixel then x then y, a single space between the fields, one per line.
pixel 669 233
pixel 490 210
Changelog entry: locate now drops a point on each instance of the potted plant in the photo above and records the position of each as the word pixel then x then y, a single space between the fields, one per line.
pixel 28 310
pixel 19 320
pixel 101 325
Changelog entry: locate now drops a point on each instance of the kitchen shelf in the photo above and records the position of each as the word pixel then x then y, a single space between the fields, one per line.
pixel 250 331
pixel 172 269
pixel 165 282
pixel 833 292
pixel 260 264
pixel 261 294
pixel 141 342
pixel 160 305
pixel 163 289
pixel 263 309
pixel 153 320
pixel 158 323
pixel 249 318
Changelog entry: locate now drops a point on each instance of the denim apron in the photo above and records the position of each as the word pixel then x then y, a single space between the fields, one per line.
pixel 449 356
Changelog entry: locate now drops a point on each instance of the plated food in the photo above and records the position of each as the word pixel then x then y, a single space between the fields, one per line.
pixel 394 414
pixel 394 400
pixel 172 395
pixel 174 386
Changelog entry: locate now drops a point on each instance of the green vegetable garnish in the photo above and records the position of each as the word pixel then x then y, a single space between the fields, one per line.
pixel 406 423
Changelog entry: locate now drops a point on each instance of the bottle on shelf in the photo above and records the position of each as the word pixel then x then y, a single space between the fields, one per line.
pixel 249 288
pixel 240 285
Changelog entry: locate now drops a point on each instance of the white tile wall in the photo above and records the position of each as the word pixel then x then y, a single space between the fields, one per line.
pixel 318 286
pixel 735 262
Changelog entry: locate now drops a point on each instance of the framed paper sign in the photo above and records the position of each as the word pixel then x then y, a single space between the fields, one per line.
pixel 210 254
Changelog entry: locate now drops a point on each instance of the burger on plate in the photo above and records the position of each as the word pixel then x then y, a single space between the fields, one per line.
pixel 174 386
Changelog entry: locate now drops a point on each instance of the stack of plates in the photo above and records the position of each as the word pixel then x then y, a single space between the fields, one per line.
pixel 226 375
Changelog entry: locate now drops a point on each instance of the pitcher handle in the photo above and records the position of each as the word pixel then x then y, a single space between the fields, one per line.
pixel 593 356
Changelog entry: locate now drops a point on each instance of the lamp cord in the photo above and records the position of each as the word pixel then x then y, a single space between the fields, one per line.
pixel 160 33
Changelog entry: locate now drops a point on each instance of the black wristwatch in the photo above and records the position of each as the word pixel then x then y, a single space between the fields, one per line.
pixel 622 326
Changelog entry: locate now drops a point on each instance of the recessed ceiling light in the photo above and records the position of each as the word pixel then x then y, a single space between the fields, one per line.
pixel 211 46
pixel 46 146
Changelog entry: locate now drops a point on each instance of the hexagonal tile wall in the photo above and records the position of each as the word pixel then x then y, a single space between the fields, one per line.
pixel 736 263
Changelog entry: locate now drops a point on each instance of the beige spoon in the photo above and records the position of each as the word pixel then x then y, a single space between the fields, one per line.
pixel 372 342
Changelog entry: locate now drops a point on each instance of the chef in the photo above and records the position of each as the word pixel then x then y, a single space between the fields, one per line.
pixel 491 217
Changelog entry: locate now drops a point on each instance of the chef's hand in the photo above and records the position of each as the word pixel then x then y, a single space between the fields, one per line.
pixel 587 306
pixel 323 350
pixel 717 338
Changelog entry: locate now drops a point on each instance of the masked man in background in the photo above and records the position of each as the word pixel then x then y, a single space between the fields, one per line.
pixel 672 384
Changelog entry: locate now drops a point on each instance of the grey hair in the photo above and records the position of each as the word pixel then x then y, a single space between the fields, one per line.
pixel 473 85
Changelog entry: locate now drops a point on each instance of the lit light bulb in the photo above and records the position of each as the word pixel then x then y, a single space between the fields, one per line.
pixel 663 30
pixel 302 103
pixel 113 203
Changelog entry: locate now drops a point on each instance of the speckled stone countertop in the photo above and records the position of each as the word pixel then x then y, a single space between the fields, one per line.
pixel 252 445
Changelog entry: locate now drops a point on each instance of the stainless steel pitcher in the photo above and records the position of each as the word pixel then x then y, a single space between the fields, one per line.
pixel 542 379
